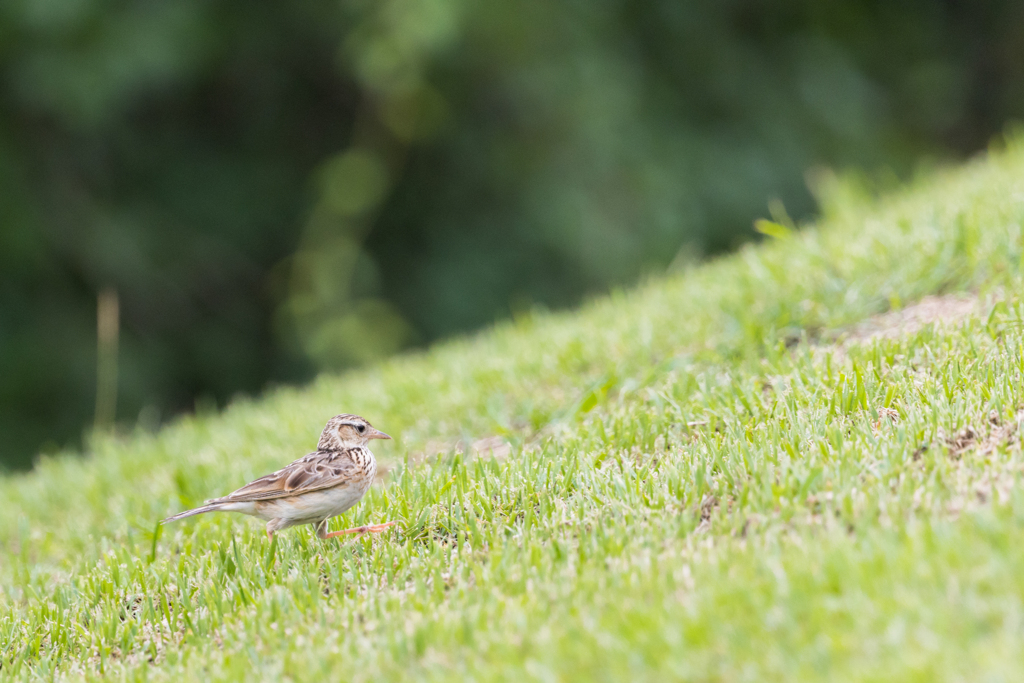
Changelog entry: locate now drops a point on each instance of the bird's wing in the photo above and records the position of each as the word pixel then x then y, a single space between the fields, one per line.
pixel 316 471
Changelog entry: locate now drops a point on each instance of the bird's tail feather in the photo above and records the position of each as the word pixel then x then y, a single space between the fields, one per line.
pixel 194 511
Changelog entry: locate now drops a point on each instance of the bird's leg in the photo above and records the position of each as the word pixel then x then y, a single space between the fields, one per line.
pixel 372 528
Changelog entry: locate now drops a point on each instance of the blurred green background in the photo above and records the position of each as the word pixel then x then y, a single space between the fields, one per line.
pixel 273 189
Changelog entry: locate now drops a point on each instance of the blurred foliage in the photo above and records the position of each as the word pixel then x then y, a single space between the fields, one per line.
pixel 275 188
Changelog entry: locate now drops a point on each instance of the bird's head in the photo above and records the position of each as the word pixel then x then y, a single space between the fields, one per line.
pixel 347 431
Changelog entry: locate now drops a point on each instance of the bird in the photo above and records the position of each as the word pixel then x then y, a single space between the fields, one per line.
pixel 312 489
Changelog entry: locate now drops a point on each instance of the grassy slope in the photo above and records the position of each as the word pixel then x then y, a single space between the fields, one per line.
pixel 837 550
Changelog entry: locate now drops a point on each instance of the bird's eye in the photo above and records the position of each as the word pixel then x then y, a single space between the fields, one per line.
pixel 361 428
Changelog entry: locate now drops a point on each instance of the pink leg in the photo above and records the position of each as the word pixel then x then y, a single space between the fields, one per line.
pixel 373 529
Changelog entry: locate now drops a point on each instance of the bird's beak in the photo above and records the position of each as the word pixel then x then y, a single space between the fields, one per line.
pixel 377 434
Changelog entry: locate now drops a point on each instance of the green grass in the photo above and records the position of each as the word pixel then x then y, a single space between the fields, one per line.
pixel 697 488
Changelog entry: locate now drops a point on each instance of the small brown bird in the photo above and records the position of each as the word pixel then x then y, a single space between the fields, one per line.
pixel 315 487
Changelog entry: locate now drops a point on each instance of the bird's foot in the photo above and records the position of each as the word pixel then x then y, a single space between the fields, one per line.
pixel 372 529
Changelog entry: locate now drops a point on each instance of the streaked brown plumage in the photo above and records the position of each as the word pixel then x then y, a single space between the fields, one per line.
pixel 315 487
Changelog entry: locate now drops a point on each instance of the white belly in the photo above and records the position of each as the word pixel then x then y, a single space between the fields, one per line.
pixel 308 508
